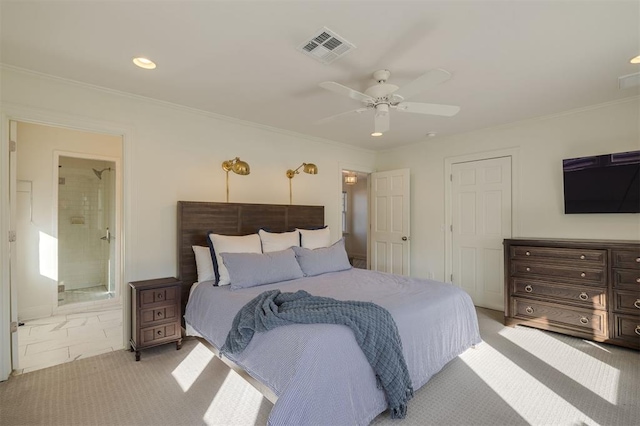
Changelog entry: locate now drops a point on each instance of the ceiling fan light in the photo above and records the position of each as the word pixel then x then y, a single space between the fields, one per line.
pixel 635 60
pixel 144 63
pixel 376 134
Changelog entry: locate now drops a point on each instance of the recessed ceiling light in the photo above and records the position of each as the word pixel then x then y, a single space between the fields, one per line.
pixel 635 60
pixel 145 63
pixel 376 134
pixel 431 134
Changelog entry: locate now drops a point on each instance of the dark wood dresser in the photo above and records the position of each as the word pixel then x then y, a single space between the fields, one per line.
pixel 584 288
pixel 155 313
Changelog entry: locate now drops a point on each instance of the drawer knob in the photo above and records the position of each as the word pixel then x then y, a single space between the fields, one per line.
pixel 527 253
pixel 638 280
pixel 584 320
pixel 159 314
pixel 159 332
pixel 528 288
pixel 637 303
pixel 529 310
pixel 637 330
pixel 583 296
pixel 528 269
pixel 582 257
pixel 583 275
pixel 637 259
pixel 160 296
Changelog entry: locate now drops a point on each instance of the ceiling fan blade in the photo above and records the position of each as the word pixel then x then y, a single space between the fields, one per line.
pixel 431 109
pixel 425 81
pixel 381 123
pixel 334 87
pixel 333 117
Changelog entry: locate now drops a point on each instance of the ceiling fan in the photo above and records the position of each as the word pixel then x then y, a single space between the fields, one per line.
pixel 382 97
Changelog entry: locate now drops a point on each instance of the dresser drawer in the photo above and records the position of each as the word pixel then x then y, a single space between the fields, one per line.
pixel 627 328
pixel 588 276
pixel 578 319
pixel 158 315
pixel 626 278
pixel 627 302
pixel 575 256
pixel 593 297
pixel 158 296
pixel 628 259
pixel 155 335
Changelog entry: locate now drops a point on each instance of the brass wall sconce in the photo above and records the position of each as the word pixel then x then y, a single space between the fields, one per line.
pixel 309 168
pixel 236 166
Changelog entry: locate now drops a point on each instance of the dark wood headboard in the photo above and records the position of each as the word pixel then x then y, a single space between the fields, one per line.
pixel 196 219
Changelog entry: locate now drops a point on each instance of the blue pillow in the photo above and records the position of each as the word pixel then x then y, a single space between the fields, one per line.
pixel 254 269
pixel 322 260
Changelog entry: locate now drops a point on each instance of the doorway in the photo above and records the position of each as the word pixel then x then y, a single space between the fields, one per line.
pixel 67 286
pixel 86 220
pixel 355 217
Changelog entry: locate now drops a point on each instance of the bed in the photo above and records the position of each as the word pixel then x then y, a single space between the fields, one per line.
pixel 316 373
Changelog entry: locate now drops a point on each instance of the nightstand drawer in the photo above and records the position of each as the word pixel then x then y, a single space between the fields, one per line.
pixel 158 315
pixel 157 296
pixel 155 335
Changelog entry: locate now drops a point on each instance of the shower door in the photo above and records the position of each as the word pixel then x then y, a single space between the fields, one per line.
pixel 86 225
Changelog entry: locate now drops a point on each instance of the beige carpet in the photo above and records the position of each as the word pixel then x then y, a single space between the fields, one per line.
pixel 516 376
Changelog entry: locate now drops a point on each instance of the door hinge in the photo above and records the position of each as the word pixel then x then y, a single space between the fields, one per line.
pixel 451 177
pixel 12 236
pixel 12 146
pixel 13 327
pixel 451 228
pixel 451 277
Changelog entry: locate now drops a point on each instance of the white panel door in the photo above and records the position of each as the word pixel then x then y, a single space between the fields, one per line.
pixel 481 219
pixel 13 265
pixel 390 221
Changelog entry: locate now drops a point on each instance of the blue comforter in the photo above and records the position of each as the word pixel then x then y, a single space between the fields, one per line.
pixel 373 327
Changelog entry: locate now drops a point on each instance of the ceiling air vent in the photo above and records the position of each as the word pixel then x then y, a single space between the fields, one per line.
pixel 326 46
pixel 628 81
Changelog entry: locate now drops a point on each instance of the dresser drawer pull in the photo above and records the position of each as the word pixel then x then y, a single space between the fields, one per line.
pixel 637 330
pixel 583 296
pixel 527 253
pixel 583 275
pixel 584 320
pixel 160 295
pixel 637 303
pixel 582 257
pixel 528 288
pixel 529 310
pixel 637 259
pixel 159 314
pixel 159 332
pixel 638 280
pixel 528 269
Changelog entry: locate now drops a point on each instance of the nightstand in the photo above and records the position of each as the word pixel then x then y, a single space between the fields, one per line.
pixel 155 313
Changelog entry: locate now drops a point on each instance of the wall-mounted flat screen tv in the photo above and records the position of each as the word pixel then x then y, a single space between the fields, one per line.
pixel 602 183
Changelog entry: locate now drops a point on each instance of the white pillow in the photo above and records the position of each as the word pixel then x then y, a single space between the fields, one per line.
pixel 315 238
pixel 231 244
pixel 272 241
pixel 204 264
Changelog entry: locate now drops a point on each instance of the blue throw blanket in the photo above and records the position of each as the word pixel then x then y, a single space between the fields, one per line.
pixel 373 327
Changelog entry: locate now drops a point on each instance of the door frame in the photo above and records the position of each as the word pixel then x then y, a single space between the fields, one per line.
pixel 118 220
pixel 14 112
pixel 514 153
pixel 361 169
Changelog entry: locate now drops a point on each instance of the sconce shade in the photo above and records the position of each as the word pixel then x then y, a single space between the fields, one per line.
pixel 236 166
pixel 310 168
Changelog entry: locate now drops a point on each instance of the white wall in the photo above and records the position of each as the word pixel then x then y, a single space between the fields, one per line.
pixel 37 262
pixel 173 153
pixel 538 201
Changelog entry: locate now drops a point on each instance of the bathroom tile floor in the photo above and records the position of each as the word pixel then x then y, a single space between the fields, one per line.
pixel 54 340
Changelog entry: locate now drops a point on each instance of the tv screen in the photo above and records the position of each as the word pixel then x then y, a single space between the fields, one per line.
pixel 602 184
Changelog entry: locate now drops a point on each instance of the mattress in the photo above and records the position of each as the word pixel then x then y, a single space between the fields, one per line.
pixel 318 371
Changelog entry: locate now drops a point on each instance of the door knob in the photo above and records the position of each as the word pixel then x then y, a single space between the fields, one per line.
pixel 404 238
